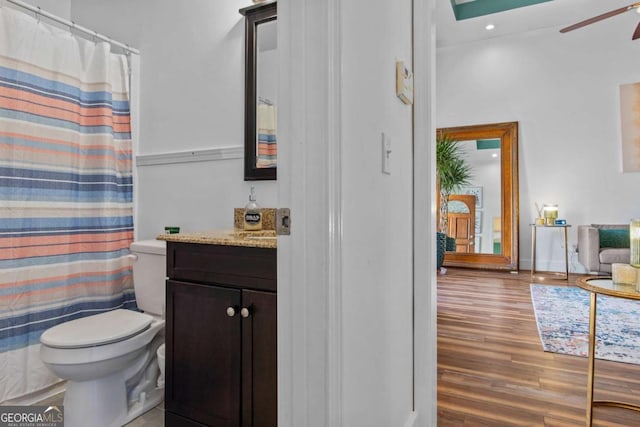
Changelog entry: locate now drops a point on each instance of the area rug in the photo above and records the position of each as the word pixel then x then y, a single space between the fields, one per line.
pixel 562 315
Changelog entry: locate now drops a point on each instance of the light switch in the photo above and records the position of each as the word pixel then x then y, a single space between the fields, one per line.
pixel 386 154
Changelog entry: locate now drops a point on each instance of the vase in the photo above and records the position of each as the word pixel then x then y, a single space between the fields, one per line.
pixel 634 241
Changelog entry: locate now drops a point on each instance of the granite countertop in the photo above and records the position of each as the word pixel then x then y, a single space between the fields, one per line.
pixel 233 237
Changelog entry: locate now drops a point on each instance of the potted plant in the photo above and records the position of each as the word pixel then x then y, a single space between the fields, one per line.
pixel 452 172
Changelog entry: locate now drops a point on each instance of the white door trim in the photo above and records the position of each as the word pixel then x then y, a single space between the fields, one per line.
pixel 424 214
pixel 310 183
pixel 334 148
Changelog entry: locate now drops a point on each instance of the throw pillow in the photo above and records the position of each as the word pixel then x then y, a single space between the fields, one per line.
pixel 614 238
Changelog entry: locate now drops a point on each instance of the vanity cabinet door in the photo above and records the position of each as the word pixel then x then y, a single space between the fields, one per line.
pixel 204 353
pixel 259 360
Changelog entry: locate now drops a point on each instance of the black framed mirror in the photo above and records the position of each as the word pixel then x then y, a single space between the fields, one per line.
pixel 261 89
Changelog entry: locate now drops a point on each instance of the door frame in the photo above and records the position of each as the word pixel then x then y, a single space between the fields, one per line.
pixel 310 183
pixel 424 214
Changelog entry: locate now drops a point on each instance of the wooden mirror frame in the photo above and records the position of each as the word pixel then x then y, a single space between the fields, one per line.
pixel 508 135
pixel 255 15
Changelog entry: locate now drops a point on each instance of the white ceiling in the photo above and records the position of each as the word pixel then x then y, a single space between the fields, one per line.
pixel 552 15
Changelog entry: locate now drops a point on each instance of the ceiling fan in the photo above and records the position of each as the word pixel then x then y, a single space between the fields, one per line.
pixel 636 33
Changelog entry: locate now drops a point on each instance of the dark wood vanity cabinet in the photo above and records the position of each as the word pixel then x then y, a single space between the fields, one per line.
pixel 221 358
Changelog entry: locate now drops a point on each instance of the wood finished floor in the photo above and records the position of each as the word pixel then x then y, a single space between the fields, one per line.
pixel 491 367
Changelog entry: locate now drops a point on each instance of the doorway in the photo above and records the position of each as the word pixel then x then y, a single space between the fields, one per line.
pixel 462 221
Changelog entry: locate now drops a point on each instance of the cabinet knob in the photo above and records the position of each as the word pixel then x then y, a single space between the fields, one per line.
pixel 231 311
pixel 244 312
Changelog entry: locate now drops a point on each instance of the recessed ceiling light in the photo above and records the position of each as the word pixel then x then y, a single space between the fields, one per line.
pixel 494 155
pixel 490 27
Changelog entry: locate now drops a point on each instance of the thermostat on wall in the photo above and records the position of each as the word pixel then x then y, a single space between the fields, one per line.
pixel 404 83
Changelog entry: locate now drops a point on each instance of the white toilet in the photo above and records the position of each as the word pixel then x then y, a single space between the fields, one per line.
pixel 110 359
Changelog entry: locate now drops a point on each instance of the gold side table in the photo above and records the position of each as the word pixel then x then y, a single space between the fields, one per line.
pixel 602 286
pixel 534 235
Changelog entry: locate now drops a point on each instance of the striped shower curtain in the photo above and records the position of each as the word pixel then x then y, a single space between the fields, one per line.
pixel 65 189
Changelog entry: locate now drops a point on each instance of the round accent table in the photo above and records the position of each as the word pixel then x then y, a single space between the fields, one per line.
pixel 602 286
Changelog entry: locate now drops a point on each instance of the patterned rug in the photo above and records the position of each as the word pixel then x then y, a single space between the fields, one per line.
pixel 562 315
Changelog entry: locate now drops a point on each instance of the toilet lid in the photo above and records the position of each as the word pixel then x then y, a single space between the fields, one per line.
pixel 99 329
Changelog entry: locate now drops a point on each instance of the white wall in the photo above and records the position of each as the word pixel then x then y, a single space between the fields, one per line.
pixel 377 239
pixel 192 97
pixel 564 92
pixel 267 82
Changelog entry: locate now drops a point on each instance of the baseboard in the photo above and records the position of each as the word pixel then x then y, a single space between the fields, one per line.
pixel 413 416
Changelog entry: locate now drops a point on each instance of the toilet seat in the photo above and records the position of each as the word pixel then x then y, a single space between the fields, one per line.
pixel 97 330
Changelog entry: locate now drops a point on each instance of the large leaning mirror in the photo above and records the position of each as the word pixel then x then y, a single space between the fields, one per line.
pixel 482 214
pixel 261 90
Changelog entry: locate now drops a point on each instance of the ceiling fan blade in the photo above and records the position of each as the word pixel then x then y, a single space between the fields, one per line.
pixel 599 18
pixel 636 33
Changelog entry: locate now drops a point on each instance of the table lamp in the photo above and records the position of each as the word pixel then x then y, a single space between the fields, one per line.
pixel 550 213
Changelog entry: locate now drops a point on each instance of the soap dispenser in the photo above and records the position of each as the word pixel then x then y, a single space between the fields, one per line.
pixel 252 214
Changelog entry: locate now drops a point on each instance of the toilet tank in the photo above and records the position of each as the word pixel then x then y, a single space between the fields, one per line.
pixel 149 275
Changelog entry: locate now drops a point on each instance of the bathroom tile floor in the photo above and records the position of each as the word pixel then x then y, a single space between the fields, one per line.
pixel 152 418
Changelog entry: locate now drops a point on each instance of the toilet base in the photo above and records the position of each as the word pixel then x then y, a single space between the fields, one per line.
pixel 98 403
pixel 116 399
pixel 104 403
